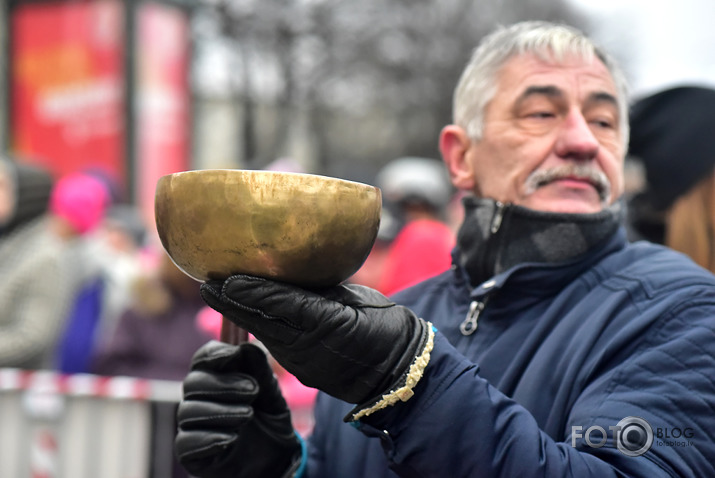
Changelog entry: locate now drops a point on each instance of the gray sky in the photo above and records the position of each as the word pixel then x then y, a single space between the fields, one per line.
pixel 660 43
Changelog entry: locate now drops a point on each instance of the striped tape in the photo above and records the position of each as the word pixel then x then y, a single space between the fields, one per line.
pixel 87 385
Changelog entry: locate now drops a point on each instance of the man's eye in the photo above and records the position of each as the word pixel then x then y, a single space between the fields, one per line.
pixel 541 114
pixel 603 123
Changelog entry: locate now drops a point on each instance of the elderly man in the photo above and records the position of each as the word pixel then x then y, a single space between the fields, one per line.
pixel 551 348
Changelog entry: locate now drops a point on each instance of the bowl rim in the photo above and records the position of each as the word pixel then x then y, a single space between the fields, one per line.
pixel 263 172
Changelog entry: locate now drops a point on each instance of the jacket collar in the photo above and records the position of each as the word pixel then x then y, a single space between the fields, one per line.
pixel 548 277
pixel 496 241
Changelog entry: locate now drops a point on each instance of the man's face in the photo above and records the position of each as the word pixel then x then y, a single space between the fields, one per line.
pixel 552 137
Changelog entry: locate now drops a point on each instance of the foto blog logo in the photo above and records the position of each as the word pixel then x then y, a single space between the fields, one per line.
pixel 633 436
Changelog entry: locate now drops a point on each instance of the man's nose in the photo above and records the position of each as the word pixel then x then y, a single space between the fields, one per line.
pixel 575 139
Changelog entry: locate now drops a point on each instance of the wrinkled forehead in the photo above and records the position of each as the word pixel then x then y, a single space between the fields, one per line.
pixel 528 71
pixel 588 54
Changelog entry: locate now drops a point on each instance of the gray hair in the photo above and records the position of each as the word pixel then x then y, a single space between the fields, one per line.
pixel 548 41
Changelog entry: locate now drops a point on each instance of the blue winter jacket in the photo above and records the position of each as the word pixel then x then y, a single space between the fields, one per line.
pixel 622 337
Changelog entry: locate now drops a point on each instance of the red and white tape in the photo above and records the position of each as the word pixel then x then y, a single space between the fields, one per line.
pixel 128 388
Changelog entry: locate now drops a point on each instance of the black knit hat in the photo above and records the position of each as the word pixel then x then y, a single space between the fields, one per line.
pixel 673 134
pixel 33 186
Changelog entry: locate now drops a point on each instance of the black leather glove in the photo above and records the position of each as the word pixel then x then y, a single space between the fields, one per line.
pixel 233 421
pixel 349 341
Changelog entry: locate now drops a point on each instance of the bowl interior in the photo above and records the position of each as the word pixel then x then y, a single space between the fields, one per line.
pixel 305 229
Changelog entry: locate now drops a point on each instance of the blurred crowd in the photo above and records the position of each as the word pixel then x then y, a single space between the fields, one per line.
pixel 82 274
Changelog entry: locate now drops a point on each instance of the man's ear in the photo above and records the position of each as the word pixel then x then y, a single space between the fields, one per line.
pixel 454 144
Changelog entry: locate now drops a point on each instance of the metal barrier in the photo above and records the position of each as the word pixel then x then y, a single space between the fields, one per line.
pixel 85 426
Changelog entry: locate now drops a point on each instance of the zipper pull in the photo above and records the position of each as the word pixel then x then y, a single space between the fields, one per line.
pixel 469 326
pixel 498 216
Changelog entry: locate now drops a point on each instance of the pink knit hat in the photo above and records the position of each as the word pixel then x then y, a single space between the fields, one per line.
pixel 81 199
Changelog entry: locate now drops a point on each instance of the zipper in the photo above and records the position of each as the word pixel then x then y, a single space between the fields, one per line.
pixel 470 324
pixel 497 218
pixel 471 321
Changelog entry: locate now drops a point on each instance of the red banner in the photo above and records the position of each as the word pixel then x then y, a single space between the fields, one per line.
pixel 67 85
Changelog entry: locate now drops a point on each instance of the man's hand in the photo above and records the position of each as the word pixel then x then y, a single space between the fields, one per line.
pixel 349 341
pixel 233 421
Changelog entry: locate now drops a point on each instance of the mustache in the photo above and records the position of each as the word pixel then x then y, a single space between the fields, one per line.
pixel 585 172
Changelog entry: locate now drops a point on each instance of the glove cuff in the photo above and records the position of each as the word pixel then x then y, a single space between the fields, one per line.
pixel 403 388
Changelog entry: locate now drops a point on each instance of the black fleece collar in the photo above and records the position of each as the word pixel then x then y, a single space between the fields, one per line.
pixel 495 237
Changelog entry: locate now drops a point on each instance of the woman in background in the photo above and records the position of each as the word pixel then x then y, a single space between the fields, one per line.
pixel 672 136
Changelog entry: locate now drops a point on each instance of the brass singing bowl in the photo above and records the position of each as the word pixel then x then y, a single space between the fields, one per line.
pixel 304 229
